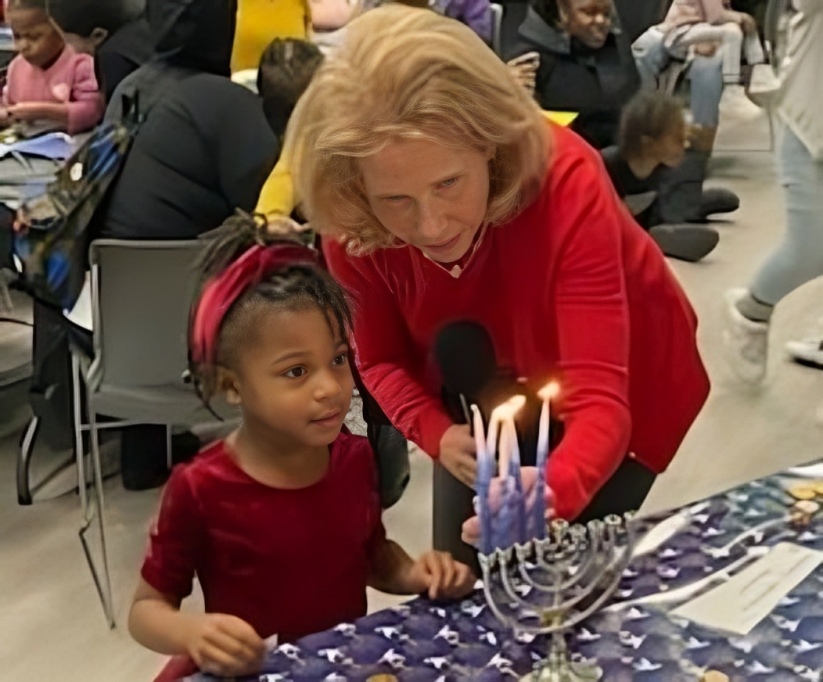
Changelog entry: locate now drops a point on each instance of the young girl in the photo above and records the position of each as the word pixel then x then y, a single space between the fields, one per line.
pixel 280 522
pixel 653 138
pixel 48 81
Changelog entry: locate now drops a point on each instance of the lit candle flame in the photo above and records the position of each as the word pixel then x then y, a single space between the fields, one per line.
pixel 549 391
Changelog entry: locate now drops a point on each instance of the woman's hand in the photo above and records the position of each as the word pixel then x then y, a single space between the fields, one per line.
pixel 440 576
pixel 225 645
pixel 458 453
pixel 471 528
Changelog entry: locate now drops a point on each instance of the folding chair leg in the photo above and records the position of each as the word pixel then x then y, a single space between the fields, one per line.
pixel 169 459
pixel 24 495
pixel 80 452
pixel 103 585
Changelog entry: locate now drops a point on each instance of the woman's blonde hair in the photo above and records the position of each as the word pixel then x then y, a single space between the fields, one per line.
pixel 409 73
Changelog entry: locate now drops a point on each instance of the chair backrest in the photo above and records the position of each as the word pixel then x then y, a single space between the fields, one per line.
pixel 141 297
pixel 497 27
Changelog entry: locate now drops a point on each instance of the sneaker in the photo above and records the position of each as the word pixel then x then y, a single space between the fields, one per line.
pixel 747 341
pixel 808 352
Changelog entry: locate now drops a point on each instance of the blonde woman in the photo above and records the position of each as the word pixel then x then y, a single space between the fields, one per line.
pixel 443 194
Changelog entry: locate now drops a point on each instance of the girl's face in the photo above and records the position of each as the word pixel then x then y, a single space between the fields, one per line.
pixel 588 20
pixel 35 37
pixel 293 379
pixel 670 148
pixel 428 195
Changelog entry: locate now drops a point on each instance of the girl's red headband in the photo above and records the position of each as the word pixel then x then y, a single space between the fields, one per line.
pixel 222 290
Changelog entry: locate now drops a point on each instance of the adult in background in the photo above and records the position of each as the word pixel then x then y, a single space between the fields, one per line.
pixel 116 34
pixel 204 150
pixel 444 195
pixel 799 257
pixel 586 63
pixel 205 147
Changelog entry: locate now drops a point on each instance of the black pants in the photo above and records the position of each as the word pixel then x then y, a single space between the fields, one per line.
pixel 623 492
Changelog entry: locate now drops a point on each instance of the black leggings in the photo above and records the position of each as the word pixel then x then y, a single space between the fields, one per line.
pixel 623 492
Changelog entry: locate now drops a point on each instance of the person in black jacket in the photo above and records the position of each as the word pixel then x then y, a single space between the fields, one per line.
pixel 115 32
pixel 586 63
pixel 205 147
pixel 204 150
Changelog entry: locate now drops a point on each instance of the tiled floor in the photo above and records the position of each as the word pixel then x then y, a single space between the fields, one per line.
pixel 51 625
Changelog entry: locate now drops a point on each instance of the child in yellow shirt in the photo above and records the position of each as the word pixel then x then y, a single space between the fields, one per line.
pixel 260 21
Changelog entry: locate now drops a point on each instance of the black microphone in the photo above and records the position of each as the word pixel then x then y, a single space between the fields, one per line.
pixel 464 352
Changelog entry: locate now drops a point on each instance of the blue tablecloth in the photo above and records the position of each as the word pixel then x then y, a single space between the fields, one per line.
pixel 422 641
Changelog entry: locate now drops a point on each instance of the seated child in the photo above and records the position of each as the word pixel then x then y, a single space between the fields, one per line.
pixel 119 41
pixel 286 70
pixel 281 521
pixel 48 81
pixel 653 138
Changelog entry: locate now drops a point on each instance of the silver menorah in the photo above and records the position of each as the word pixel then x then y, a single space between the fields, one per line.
pixel 548 586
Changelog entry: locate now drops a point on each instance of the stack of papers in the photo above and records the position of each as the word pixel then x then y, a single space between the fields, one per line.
pixel 55 146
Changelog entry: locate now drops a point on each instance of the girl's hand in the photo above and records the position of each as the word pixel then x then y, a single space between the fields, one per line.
pixel 457 453
pixel 471 528
pixel 24 111
pixel 225 645
pixel 440 576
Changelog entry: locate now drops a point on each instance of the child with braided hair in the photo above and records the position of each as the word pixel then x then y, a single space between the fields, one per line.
pixel 280 521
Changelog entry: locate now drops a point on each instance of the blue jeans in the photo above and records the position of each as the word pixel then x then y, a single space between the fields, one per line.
pixel 799 258
pixel 705 73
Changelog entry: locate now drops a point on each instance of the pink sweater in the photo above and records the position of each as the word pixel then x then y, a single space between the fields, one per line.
pixel 685 12
pixel 69 80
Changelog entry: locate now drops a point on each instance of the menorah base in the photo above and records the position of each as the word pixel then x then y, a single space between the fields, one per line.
pixel 567 672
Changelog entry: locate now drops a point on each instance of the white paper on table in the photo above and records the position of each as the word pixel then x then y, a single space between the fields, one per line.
pixel 741 603
pixel 808 471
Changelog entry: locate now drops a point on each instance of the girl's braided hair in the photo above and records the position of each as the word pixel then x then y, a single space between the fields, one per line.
pixel 295 288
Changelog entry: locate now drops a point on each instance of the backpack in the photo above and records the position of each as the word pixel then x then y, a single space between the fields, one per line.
pixel 52 253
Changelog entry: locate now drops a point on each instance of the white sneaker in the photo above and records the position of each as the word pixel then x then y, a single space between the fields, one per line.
pixel 747 341
pixel 807 352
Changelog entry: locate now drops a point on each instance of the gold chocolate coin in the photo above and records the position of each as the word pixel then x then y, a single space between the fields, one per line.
pixel 802 492
pixel 382 678
pixel 714 676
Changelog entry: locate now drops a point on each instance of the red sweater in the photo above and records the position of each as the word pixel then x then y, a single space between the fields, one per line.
pixel 288 562
pixel 570 286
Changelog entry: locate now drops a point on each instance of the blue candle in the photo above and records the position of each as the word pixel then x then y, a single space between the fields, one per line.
pixel 517 498
pixel 539 510
pixel 485 472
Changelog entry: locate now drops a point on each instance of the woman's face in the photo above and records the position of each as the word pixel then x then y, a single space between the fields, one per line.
pixel 428 195
pixel 588 20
